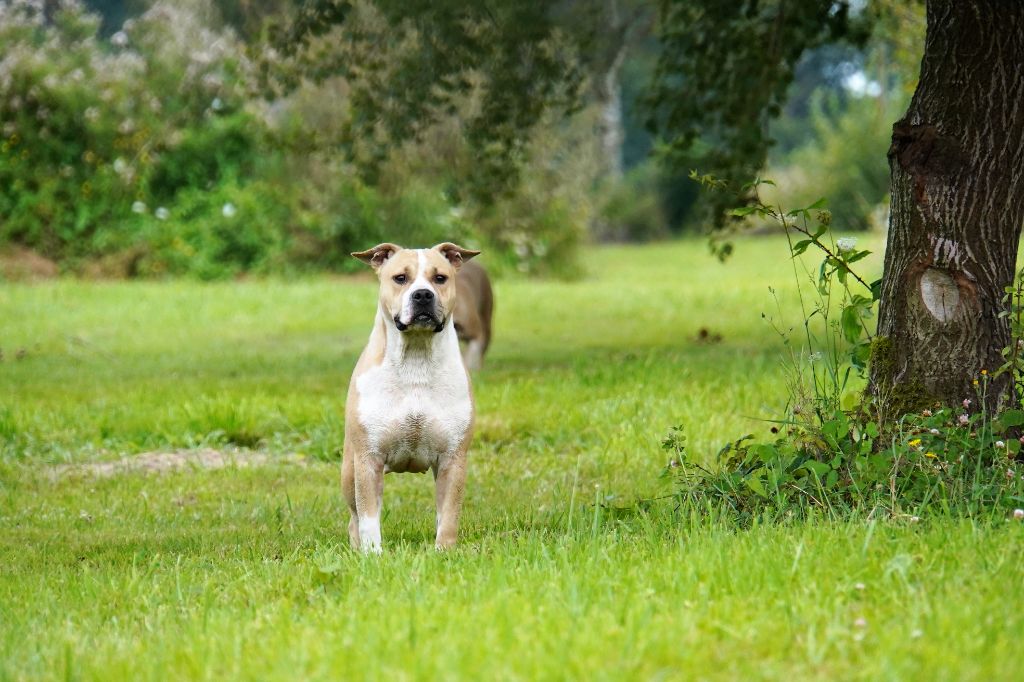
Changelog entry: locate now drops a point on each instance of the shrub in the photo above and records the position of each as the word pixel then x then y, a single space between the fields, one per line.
pixel 844 159
pixel 633 209
pixel 90 128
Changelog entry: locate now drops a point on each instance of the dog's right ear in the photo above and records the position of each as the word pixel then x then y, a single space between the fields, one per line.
pixel 378 255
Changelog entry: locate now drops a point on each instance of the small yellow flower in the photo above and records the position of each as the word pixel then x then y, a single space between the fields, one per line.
pixel 931 454
pixel 975 382
pixel 914 443
pixel 984 372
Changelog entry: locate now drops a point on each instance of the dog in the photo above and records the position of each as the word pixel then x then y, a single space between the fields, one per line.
pixel 410 402
pixel 473 310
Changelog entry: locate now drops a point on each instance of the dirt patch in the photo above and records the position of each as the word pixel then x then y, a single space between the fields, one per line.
pixel 159 462
pixel 19 264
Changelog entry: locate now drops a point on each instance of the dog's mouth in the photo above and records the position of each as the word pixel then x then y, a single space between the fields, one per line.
pixel 421 320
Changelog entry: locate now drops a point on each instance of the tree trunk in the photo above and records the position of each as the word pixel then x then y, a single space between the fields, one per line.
pixel 615 38
pixel 610 129
pixel 957 164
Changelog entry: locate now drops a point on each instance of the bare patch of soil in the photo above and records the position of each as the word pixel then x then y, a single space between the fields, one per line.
pixel 159 462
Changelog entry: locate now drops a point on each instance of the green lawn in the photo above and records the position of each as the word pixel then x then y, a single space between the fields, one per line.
pixel 245 572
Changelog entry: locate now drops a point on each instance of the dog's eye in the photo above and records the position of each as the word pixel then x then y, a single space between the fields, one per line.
pixel 440 279
pixel 399 279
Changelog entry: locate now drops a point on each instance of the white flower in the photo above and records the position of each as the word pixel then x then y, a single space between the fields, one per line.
pixel 934 432
pixel 228 210
pixel 119 165
pixel 92 113
pixel 161 213
pixel 216 104
pixel 138 207
pixel 964 419
pixel 1018 514
pixel 916 634
pixel 861 622
pixel 859 586
pixel 846 243
pixel 915 519
pixel 1000 444
pixel 119 39
pixel 1010 473
pixel 967 402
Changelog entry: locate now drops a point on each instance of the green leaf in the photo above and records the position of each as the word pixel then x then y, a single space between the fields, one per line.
pixel 1012 418
pixel 801 246
pixel 819 468
pixel 876 289
pixel 850 321
pixel 755 484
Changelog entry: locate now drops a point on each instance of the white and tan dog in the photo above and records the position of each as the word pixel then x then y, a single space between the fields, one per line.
pixel 410 404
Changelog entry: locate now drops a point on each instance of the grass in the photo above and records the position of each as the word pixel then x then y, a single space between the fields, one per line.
pixel 245 573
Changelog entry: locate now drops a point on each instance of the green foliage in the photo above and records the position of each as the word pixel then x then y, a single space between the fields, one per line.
pixel 933 462
pixel 512 55
pixel 100 136
pixel 844 159
pixel 723 75
pixel 91 129
pixel 836 451
pixel 632 210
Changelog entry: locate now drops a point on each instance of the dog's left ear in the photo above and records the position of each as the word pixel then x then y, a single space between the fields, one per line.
pixel 455 254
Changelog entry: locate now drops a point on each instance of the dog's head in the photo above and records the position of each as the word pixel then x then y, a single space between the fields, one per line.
pixel 417 286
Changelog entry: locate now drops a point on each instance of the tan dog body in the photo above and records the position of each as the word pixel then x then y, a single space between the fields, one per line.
pixel 410 404
pixel 473 311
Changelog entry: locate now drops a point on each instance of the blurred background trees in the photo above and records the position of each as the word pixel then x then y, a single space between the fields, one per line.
pixel 211 138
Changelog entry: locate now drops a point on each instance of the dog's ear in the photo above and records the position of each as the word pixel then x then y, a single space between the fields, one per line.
pixel 378 255
pixel 455 254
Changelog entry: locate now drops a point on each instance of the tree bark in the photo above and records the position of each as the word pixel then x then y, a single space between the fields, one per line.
pixel 957 165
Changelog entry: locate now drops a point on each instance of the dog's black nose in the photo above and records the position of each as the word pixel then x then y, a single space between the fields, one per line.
pixel 422 296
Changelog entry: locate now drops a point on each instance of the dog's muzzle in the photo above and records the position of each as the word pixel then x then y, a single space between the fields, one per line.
pixel 424 313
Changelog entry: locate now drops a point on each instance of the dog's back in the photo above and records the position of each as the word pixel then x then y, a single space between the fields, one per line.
pixel 474 307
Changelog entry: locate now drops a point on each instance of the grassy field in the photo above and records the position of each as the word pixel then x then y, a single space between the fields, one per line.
pixel 244 572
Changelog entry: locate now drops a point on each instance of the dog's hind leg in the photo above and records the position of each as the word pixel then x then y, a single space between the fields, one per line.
pixel 474 355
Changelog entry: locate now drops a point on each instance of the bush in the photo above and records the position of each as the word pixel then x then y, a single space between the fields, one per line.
pixel 360 216
pixel 845 160
pixel 633 210
pixel 90 128
pixel 99 134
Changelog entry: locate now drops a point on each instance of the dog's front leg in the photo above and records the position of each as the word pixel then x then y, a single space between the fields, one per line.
pixel 450 478
pixel 369 490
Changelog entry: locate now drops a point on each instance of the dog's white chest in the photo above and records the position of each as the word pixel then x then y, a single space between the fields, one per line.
pixel 414 416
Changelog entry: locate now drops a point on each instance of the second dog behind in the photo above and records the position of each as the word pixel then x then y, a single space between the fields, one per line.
pixel 474 307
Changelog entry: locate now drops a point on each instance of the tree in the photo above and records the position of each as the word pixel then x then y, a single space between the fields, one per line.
pixel 957 157
pixel 724 73
pixel 957 163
